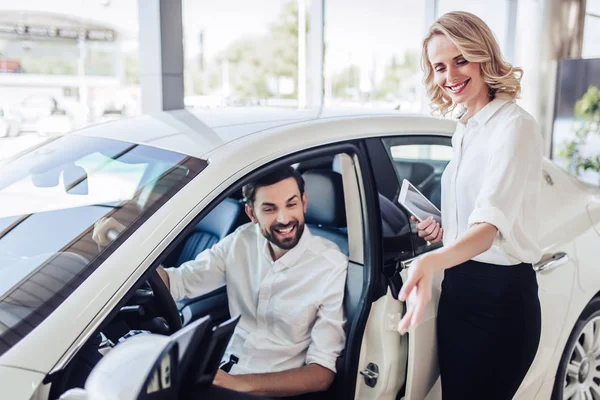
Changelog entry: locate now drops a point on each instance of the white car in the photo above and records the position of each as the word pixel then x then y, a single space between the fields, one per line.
pixel 174 181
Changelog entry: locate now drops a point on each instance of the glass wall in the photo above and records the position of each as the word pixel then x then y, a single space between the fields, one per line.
pixel 591 30
pixel 372 53
pixel 64 65
pixel 68 63
pixel 246 57
pixel 493 13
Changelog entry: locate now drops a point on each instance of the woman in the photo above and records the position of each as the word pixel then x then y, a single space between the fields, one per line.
pixel 489 313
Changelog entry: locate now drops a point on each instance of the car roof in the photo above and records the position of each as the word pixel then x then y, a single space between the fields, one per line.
pixel 198 132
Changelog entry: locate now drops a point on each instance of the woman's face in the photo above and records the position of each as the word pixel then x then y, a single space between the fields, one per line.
pixel 456 76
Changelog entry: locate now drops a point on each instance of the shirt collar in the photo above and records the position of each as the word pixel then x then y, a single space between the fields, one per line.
pixel 487 112
pixel 290 258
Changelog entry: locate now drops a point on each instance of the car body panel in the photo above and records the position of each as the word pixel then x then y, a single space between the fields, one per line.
pixel 182 131
pixel 19 383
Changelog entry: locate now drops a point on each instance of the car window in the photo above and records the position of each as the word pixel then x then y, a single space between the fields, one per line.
pixel 422 165
pixel 50 199
pixel 421 160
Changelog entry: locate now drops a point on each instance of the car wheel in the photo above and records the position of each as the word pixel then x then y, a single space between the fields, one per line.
pixel 578 375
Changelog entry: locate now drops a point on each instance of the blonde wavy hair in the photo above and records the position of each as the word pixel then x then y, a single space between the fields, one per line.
pixel 477 43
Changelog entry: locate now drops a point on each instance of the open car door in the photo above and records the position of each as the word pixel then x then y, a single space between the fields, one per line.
pixel 423 369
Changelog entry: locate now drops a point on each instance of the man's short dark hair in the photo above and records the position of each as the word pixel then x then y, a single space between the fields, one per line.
pixel 250 188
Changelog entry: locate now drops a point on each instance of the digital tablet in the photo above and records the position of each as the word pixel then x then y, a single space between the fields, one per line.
pixel 417 204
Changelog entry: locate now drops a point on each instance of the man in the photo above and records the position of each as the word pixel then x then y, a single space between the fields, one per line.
pixel 286 284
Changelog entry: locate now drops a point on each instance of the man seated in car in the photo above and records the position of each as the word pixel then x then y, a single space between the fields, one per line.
pixel 287 285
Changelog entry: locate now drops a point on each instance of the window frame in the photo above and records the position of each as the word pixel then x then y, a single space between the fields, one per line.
pixel 388 184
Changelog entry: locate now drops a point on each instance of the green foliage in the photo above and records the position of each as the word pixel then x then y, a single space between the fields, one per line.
pixel 396 73
pixel 253 61
pixel 346 82
pixel 587 111
pixel 132 69
pixel 49 65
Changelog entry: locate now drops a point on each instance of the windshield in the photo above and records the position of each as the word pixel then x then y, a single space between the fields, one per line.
pixel 50 199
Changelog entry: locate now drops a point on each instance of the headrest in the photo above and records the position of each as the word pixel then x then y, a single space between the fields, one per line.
pixel 337 163
pixel 325 193
pixel 415 172
pixel 314 163
pixel 221 219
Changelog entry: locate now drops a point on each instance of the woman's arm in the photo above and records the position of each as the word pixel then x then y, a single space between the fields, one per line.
pixel 475 241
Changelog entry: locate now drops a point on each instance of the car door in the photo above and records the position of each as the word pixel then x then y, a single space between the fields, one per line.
pixel 421 159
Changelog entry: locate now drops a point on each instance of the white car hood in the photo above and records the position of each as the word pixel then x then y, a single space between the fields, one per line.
pixel 19 384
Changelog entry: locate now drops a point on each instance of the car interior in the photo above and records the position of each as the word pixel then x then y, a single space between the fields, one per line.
pixel 326 217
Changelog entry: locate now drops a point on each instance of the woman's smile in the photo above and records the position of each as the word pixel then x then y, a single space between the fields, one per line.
pixel 459 88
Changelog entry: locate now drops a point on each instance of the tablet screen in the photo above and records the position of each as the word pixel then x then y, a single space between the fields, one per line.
pixel 419 205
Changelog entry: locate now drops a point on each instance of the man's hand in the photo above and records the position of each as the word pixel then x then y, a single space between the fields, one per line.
pixel 104 229
pixel 231 382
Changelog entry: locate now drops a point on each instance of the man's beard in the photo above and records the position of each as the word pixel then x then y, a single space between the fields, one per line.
pixel 287 243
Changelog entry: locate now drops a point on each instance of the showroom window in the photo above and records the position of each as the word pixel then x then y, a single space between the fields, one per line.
pixel 372 54
pixel 244 58
pixel 591 30
pixel 64 65
pixel 493 13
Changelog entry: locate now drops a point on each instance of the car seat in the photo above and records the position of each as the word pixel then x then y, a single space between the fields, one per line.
pixel 218 223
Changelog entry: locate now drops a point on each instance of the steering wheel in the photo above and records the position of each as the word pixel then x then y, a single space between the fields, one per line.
pixel 164 302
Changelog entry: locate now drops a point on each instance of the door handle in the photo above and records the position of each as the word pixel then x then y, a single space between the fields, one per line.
pixel 549 262
pixel 405 264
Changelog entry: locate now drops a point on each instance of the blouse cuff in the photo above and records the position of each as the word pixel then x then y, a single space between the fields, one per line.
pixel 493 216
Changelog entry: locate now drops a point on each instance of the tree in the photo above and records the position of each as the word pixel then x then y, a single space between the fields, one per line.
pixel 346 83
pixel 398 73
pixel 253 62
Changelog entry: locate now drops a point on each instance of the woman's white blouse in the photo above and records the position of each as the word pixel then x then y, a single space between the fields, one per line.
pixel 495 176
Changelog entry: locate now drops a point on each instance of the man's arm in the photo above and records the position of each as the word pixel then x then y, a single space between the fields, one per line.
pixel 193 278
pixel 164 276
pixel 293 382
pixel 203 274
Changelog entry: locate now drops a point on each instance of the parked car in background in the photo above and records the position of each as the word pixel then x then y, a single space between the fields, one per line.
pixel 174 181
pixel 42 113
pixel 9 126
pixel 10 65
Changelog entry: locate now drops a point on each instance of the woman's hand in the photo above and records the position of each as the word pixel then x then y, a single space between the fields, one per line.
pixel 429 229
pixel 418 290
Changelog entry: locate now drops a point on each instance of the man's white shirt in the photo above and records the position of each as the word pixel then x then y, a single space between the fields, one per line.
pixel 495 176
pixel 292 308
